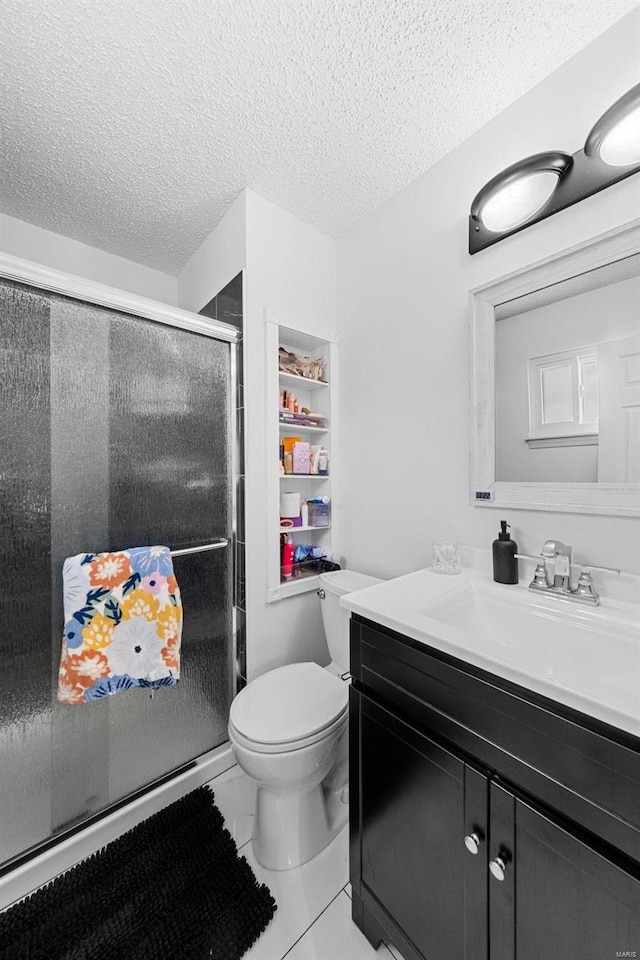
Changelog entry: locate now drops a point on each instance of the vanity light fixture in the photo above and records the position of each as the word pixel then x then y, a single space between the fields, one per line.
pixel 538 186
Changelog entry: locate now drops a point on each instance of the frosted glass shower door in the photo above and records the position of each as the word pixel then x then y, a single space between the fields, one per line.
pixel 115 431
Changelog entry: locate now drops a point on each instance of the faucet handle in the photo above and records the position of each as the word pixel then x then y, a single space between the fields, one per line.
pixel 585 587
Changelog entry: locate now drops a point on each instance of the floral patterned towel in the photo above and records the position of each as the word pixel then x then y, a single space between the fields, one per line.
pixel 123 623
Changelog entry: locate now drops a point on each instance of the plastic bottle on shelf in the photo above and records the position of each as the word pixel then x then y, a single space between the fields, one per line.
pixel 287 557
pixel 304 513
pixel 323 462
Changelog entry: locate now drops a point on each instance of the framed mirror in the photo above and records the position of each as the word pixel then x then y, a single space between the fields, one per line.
pixel 555 382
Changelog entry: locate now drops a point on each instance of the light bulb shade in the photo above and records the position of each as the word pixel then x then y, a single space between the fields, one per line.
pixel 517 202
pixel 519 192
pixel 615 137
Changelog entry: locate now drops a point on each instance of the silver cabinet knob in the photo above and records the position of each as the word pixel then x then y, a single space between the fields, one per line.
pixel 472 842
pixel 497 868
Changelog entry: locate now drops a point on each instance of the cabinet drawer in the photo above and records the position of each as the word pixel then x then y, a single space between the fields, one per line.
pixel 587 771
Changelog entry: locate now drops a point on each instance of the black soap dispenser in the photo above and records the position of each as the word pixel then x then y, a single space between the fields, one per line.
pixel 505 564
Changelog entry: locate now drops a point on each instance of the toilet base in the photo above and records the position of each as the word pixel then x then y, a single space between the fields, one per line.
pixel 293 826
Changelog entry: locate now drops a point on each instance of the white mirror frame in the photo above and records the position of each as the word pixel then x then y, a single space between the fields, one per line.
pixel 617 499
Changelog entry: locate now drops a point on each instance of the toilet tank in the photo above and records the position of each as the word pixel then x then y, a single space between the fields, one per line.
pixel 335 617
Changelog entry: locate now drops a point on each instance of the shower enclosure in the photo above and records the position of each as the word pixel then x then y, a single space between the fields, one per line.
pixel 116 430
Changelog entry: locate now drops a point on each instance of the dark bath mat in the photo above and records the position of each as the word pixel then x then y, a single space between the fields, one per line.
pixel 172 888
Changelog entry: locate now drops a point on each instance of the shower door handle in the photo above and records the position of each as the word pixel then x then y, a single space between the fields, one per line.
pixel 216 545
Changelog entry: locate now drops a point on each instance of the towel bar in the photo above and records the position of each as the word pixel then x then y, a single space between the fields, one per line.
pixel 205 546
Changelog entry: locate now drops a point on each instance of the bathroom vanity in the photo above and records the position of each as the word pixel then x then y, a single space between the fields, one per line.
pixel 489 820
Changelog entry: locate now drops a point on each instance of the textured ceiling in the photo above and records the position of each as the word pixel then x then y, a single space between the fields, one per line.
pixel 131 125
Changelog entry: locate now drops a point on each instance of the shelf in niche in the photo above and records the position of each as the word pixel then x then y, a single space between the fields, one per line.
pixel 289 588
pixel 304 476
pixel 299 428
pixel 319 396
pixel 302 383
pixel 301 529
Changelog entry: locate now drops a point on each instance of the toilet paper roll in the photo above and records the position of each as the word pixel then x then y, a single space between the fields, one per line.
pixel 289 504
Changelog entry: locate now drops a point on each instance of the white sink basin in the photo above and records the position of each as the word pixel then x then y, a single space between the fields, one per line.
pixel 585 657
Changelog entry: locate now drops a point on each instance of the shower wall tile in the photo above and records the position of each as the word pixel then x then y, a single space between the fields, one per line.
pixel 211 309
pixel 241 648
pixel 229 303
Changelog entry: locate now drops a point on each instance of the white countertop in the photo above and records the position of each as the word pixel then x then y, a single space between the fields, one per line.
pixel 585 657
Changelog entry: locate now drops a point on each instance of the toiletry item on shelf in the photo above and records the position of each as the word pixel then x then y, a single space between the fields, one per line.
pixel 313 460
pixel 301 453
pixel 288 443
pixel 447 555
pixel 286 562
pixel 505 564
pixel 304 513
pixel 301 419
pixel 290 511
pixel 289 523
pixel 289 504
pixel 319 512
pixel 323 462
pixel 312 368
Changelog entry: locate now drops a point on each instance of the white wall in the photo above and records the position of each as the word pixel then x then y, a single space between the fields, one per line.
pixel 291 268
pixel 403 281
pixel 25 240
pixel 606 313
pixel 217 261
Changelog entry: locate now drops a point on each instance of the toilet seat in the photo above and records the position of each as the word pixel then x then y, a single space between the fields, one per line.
pixel 289 745
pixel 288 708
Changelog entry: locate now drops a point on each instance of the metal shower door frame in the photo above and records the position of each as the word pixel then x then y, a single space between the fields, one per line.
pixel 90 291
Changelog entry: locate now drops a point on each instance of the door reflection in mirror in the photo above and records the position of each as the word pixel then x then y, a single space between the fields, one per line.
pixel 567 380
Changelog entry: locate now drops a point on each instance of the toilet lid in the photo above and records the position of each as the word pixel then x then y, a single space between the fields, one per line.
pixel 288 704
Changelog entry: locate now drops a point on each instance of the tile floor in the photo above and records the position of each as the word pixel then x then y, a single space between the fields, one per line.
pixel 313 919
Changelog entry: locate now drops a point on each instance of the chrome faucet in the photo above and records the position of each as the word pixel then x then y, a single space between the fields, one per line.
pixel 557 565
pixel 553 574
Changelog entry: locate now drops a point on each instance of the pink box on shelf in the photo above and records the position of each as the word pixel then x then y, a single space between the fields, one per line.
pixel 301 458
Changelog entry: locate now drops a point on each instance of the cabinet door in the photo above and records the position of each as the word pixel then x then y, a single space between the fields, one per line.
pixel 560 897
pixel 419 801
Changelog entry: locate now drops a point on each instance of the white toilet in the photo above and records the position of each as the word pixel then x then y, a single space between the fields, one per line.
pixel 288 730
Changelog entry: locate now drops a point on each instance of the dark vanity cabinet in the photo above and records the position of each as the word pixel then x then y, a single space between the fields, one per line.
pixel 487 823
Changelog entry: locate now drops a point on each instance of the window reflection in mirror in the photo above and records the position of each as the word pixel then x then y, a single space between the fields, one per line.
pixel 567 380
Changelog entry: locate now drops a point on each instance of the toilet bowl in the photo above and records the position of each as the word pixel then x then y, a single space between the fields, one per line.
pixel 288 731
